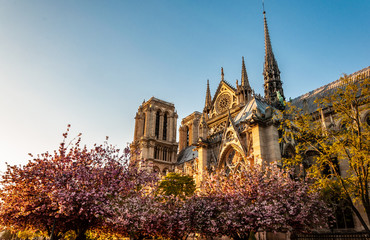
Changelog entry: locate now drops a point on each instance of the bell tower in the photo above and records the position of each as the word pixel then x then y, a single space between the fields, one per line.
pixel 155 135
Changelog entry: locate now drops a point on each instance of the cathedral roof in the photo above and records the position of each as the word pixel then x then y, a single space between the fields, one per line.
pixel 306 101
pixel 247 112
pixel 187 154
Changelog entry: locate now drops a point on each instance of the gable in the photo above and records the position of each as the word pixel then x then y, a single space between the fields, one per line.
pixel 223 100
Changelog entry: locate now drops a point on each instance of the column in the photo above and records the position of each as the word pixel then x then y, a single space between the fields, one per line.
pixel 174 128
pixel 136 127
pixel 152 123
pixel 147 117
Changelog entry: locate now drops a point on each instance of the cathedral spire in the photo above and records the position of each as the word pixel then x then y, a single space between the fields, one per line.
pixel 222 74
pixel 208 101
pixel 244 78
pixel 271 67
pixel 273 86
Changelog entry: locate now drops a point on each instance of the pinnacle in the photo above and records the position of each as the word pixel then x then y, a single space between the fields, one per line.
pixel 244 78
pixel 208 100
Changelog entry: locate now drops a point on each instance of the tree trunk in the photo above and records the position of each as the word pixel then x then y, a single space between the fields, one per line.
pixel 81 235
pixel 241 237
pixel 367 210
pixel 359 216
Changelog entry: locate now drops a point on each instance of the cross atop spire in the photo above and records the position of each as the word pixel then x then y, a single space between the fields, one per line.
pixel 222 74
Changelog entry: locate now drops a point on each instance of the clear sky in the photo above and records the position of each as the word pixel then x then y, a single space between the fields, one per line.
pixel 92 63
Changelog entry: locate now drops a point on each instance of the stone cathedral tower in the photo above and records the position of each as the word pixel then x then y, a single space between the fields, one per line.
pixel 155 134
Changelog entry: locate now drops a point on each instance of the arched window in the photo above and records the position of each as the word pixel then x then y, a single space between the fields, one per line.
pixel 156 169
pixel 157 117
pixel 330 169
pixel 156 152
pixel 169 155
pixel 165 126
pixel 289 151
pixel 231 160
pixel 164 154
pixel 342 213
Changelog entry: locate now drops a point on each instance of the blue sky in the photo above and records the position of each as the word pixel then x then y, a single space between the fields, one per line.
pixel 92 63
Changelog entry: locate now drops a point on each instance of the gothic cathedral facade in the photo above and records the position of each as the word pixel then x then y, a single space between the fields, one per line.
pixel 236 125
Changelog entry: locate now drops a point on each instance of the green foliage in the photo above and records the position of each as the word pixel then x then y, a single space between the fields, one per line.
pixel 335 150
pixel 177 185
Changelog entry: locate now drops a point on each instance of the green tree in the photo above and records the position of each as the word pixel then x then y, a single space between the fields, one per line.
pixel 177 185
pixel 341 148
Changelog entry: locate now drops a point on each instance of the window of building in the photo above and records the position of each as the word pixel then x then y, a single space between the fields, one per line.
pixel 156 152
pixel 343 214
pixel 157 118
pixel 164 157
pixel 144 123
pixel 187 136
pixel 165 126
pixel 156 169
pixel 330 169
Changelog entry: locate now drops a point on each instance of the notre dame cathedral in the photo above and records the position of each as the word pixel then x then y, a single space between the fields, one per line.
pixel 236 125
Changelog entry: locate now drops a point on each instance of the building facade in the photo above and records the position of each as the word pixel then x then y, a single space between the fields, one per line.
pixel 236 125
pixel 155 135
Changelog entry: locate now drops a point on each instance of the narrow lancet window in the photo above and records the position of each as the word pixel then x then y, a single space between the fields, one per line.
pixel 187 136
pixel 157 117
pixel 165 126
pixel 144 124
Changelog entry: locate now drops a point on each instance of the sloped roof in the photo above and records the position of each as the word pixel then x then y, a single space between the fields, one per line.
pixel 307 100
pixel 187 154
pixel 247 112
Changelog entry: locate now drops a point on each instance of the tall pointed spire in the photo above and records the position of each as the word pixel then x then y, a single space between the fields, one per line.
pixel 273 86
pixel 222 74
pixel 208 101
pixel 244 79
pixel 271 67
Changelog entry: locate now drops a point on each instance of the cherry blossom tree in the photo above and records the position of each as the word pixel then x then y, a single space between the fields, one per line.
pixel 236 205
pixel 255 199
pixel 70 189
pixel 146 214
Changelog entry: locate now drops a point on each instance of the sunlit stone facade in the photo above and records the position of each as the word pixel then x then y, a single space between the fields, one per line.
pixel 236 126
